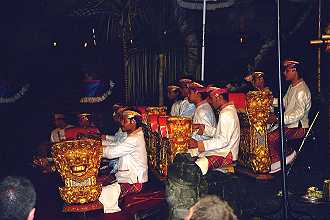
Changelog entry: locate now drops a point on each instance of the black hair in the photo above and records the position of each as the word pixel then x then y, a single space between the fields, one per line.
pixel 225 96
pixel 138 121
pixel 17 198
pixel 204 95
pixel 300 70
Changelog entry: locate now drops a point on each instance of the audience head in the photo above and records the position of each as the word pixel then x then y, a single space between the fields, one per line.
pixel 17 199
pixel 211 208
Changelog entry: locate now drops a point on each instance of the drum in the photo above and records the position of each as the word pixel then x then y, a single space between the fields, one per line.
pixel 179 131
pixel 78 163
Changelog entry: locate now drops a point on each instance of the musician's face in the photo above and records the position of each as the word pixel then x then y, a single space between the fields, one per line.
pixel 193 97
pixel 184 91
pixel 259 82
pixel 216 101
pixel 128 124
pixel 84 122
pixel 172 94
pixel 290 73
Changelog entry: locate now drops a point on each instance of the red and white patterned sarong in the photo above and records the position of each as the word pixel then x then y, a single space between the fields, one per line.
pixel 274 141
pixel 216 162
pixel 127 188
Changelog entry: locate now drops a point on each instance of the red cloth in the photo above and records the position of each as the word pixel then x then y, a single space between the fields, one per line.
pixel 153 120
pixel 218 161
pixel 162 125
pixel 274 141
pixel 238 99
pixel 127 188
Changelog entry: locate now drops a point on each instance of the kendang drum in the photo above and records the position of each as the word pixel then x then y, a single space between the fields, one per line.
pixel 179 131
pixel 78 163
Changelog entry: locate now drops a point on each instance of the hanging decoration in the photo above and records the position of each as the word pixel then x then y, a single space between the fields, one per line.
pixel 96 91
pixel 9 95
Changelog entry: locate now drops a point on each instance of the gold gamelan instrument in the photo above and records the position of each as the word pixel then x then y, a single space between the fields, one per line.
pixel 152 120
pixel 157 110
pixel 179 130
pixel 258 106
pixel 78 163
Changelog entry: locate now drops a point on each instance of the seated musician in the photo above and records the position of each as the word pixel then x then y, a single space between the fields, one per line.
pixel 173 94
pixel 187 109
pixel 204 119
pixel 133 166
pixel 222 149
pixel 297 103
pixel 86 127
pixel 61 124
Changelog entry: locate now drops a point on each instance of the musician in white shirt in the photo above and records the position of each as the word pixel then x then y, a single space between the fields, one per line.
pixel 222 149
pixel 297 103
pixel 187 109
pixel 204 117
pixel 173 94
pixel 132 165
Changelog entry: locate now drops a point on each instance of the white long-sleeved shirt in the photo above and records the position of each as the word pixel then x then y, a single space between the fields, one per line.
pixel 227 135
pixel 175 109
pixel 187 109
pixel 132 154
pixel 119 137
pixel 297 103
pixel 204 115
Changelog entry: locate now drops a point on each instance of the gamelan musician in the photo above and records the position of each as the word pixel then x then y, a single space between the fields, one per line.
pixel 222 148
pixel 132 166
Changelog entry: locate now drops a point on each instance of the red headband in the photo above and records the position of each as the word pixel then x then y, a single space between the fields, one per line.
pixel 199 89
pixel 185 81
pixel 219 91
pixel 196 87
pixel 291 63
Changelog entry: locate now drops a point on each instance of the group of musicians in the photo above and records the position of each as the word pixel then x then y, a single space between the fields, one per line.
pixel 215 139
